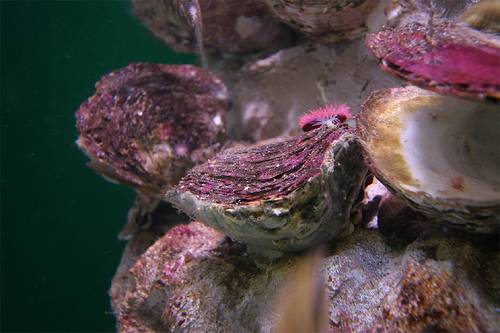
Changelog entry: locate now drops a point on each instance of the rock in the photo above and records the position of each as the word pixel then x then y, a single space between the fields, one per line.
pixel 269 95
pixel 195 279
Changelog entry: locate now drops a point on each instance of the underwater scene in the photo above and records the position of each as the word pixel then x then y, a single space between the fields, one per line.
pixel 250 166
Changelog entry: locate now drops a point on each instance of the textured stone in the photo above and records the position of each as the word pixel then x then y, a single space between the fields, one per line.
pixel 196 279
pixel 269 95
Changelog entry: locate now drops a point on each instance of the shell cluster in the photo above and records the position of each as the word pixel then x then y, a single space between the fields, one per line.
pixel 161 128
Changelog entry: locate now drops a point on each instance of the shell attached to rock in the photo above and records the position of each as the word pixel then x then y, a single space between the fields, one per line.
pixel 326 20
pixel 278 196
pixel 445 57
pixel 147 124
pixel 226 26
pixel 440 153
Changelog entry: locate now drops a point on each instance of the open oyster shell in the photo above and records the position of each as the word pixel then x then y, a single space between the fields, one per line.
pixel 444 56
pixel 279 196
pixel 440 153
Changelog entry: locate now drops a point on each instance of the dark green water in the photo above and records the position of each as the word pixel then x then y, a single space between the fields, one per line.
pixel 59 220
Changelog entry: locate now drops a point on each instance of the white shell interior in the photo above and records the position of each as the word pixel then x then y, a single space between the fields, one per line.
pixel 452 149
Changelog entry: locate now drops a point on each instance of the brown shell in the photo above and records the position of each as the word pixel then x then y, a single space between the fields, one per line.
pixel 226 26
pixel 147 124
pixel 326 20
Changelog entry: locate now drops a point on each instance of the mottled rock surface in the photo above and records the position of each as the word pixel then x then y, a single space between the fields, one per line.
pixel 195 279
pixel 269 95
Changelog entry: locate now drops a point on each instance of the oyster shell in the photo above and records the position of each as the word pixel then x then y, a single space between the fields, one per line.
pixel 224 25
pixel 440 153
pixel 326 20
pixel 278 196
pixel 147 124
pixel 446 57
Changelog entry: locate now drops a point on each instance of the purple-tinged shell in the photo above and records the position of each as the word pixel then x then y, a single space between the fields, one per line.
pixel 281 196
pixel 226 26
pixel 147 124
pixel 444 57
pixel 441 154
pixel 324 20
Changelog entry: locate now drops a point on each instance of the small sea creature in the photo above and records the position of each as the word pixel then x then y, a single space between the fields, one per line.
pixel 329 115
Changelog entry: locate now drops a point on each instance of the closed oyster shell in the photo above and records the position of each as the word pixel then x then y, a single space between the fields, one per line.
pixel 440 153
pixel 442 56
pixel 147 124
pixel 326 20
pixel 226 26
pixel 281 196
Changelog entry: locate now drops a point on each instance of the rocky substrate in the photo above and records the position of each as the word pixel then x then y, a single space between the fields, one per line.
pixel 195 279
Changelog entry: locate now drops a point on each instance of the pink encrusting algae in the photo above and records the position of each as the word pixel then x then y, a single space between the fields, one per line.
pixel 330 115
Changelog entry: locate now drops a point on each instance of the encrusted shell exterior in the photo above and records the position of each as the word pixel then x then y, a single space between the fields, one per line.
pixel 289 219
pixel 327 20
pixel 226 26
pixel 147 124
pixel 442 56
pixel 379 127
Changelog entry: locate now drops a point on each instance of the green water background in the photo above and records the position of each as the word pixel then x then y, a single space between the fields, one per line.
pixel 59 220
